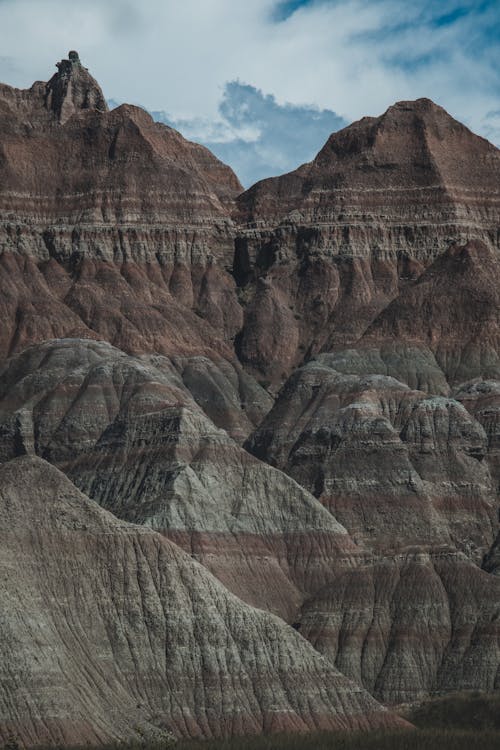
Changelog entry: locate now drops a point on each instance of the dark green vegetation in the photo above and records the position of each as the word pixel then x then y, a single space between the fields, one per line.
pixel 475 711
pixel 419 739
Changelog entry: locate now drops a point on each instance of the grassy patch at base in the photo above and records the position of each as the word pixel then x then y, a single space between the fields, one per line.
pixel 418 739
pixel 474 710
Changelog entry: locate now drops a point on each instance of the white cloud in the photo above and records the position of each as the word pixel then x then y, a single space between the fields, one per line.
pixel 256 135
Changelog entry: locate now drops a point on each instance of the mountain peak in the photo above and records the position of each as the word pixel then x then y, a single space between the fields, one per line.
pixel 72 89
pixel 424 104
pixel 408 131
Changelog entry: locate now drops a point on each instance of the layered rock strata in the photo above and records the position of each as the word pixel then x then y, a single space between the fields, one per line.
pixel 395 466
pixel 111 632
pixel 407 474
pixel 131 279
pixel 128 434
pixel 115 227
pixel 327 247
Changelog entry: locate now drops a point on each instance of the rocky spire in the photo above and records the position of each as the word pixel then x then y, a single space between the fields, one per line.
pixel 72 88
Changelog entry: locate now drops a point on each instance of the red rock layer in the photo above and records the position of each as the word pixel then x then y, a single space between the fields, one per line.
pixel 410 624
pixel 397 468
pixel 127 432
pixel 453 310
pixel 328 246
pixel 115 227
pixel 408 476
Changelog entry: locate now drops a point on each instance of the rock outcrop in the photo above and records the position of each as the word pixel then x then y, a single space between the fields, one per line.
pixel 423 480
pixel 128 433
pixel 407 475
pixel 411 624
pixel 452 312
pixel 72 89
pixel 115 227
pixel 327 247
pixel 110 632
pixel 421 515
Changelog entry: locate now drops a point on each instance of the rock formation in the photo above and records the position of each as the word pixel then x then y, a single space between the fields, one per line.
pixel 423 480
pixel 324 249
pixel 115 227
pixel 342 320
pixel 406 474
pixel 72 89
pixel 109 632
pixel 359 255
pixel 128 434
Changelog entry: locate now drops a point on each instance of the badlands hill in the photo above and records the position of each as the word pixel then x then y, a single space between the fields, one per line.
pixel 249 441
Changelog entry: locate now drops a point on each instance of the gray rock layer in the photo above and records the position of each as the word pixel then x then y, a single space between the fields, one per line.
pixel 110 632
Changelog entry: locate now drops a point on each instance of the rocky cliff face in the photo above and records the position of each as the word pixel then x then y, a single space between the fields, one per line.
pixel 423 481
pixel 116 227
pixel 141 293
pixel 327 247
pixel 359 255
pixel 406 475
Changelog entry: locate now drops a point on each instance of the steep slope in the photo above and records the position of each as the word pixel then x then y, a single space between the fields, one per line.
pixel 407 475
pixel 453 309
pixel 412 624
pixel 112 633
pixel 398 468
pixel 442 330
pixel 115 227
pixel 482 399
pixel 131 277
pixel 328 246
pixel 128 434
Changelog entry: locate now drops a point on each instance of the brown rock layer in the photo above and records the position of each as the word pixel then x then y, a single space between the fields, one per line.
pixel 411 624
pixel 115 227
pixel 112 633
pixel 328 246
pixel 423 480
pixel 407 475
pixel 126 432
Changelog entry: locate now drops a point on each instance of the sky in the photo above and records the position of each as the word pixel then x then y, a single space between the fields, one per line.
pixel 264 82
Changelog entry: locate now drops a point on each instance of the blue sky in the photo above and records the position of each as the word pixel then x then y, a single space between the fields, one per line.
pixel 264 82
